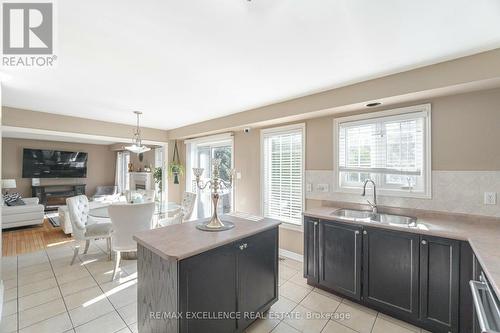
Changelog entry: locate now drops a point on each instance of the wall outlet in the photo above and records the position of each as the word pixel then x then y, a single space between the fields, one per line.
pixel 238 175
pixel 322 188
pixel 309 187
pixel 490 198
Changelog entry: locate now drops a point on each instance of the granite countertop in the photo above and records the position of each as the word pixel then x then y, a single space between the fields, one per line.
pixel 482 233
pixel 180 241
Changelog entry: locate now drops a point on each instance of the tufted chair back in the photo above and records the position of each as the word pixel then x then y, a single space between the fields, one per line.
pixel 188 200
pixel 128 219
pixel 78 208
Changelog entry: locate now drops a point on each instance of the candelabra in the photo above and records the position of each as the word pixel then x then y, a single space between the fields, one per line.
pixel 216 185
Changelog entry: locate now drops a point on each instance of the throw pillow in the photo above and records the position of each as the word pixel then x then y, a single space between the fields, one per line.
pixel 18 202
pixel 11 197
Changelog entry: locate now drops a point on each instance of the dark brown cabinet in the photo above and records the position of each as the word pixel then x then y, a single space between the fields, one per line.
pixel 238 278
pixel 340 258
pixel 257 261
pixel 311 226
pixel 390 266
pixel 439 283
pixel 416 278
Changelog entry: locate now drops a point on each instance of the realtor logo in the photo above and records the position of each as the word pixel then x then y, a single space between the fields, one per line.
pixel 28 29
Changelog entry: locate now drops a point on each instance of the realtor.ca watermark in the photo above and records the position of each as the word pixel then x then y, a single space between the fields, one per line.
pixel 28 34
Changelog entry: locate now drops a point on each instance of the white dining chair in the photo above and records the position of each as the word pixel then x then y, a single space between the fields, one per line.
pixel 85 228
pixel 176 219
pixel 188 200
pixel 127 220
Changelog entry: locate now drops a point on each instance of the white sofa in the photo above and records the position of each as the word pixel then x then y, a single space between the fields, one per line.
pixel 18 216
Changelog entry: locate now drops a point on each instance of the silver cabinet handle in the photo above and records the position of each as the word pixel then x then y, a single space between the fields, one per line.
pixel 356 232
pixel 424 242
pixel 315 223
pixel 365 232
pixel 243 246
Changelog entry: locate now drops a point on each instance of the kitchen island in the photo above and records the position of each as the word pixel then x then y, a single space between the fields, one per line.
pixel 197 281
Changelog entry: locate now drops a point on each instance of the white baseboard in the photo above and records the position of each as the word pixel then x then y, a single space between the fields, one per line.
pixel 291 255
pixel 1 298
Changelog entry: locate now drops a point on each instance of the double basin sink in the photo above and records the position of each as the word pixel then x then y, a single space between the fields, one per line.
pixel 367 216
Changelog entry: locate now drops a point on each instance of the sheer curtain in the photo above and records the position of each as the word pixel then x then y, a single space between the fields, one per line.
pixel 121 173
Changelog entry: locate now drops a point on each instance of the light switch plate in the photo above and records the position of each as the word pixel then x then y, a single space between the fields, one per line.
pixel 490 198
pixel 322 188
pixel 309 187
pixel 238 175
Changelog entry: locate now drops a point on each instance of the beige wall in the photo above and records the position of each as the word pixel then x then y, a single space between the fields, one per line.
pixel 465 136
pixel 100 166
pixel 148 160
pixel 55 122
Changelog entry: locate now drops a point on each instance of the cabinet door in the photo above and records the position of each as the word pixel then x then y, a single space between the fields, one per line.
pixel 439 283
pixel 390 265
pixel 340 258
pixel 311 249
pixel 207 282
pixel 257 274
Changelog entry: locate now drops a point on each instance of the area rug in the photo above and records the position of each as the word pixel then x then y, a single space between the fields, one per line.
pixel 53 219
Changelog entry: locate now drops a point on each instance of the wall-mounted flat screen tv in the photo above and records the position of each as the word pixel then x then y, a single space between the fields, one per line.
pixel 41 163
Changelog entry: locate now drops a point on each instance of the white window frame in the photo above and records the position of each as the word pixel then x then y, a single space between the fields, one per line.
pixel 427 145
pixel 281 130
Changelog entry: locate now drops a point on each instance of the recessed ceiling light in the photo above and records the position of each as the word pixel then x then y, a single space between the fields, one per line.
pixel 371 105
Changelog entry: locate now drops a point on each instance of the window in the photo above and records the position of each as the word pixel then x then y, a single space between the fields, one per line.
pixel 283 173
pixel 122 174
pixel 201 152
pixel 390 147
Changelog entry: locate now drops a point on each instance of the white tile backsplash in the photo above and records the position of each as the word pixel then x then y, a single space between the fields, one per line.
pixel 452 191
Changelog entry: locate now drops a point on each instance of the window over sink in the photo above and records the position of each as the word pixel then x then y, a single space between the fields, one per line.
pixel 392 148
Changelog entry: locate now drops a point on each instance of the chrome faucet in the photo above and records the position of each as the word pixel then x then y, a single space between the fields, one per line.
pixel 374 204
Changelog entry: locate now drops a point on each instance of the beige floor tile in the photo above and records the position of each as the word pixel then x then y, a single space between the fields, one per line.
pixel 334 327
pixel 297 265
pixel 56 324
pixel 24 279
pixel 44 266
pixel 282 306
pixel 38 298
pixel 395 321
pixel 31 259
pixel 9 274
pixel 90 311
pixel 9 308
pixel 263 325
pixel 354 317
pixel 10 283
pixel 294 292
pixel 124 330
pixel 129 313
pixel 77 285
pixel 121 297
pixel 385 326
pixel 108 323
pixel 281 281
pixel 36 287
pixel 40 313
pixel 10 294
pixel 70 276
pixel 320 303
pixel 327 294
pixel 8 324
pixel 286 272
pixel 82 297
pixel 106 276
pixel 284 328
pixel 307 321
pixel 134 328
pixel 301 281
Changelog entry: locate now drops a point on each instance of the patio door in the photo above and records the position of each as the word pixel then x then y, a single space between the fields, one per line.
pixel 201 154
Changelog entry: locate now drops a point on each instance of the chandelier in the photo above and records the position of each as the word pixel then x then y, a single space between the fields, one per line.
pixel 137 146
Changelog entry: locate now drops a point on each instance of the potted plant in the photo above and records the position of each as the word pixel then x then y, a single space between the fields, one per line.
pixel 175 168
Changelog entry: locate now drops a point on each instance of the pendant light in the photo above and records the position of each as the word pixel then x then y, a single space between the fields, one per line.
pixel 137 146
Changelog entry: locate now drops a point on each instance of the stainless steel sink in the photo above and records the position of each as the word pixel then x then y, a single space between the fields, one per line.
pixel 367 216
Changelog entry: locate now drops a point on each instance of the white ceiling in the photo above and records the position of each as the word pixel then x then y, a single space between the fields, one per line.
pixel 182 62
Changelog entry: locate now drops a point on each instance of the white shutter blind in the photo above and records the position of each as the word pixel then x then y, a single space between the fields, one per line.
pixel 388 150
pixel 283 175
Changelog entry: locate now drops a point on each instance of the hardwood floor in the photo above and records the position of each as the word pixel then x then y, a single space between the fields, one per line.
pixel 30 239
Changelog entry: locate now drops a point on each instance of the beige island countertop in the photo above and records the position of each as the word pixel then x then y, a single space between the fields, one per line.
pixel 482 233
pixel 180 241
